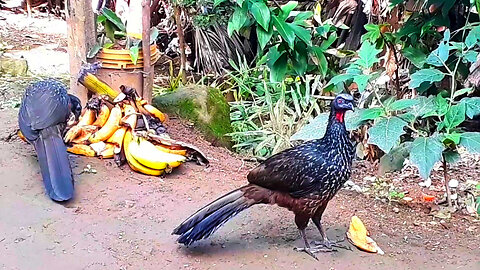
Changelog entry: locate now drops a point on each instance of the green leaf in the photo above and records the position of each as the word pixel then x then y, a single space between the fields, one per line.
pixel 371 114
pixel 425 106
pixel 110 31
pixel 462 92
pixel 425 152
pixel 261 13
pixel 373 33
pixel 285 31
pixel 361 81
pixel 218 2
pixel 238 19
pixel 302 17
pixel 451 157
pixel 113 18
pixel 264 36
pixel 471 56
pixel 101 18
pixel 300 58
pixel 279 69
pixel 368 55
pixel 454 116
pixel 452 138
pixel 286 9
pixel 402 104
pixel 94 50
pixel 134 54
pixel 416 56
pixel 471 141
pixel 473 37
pixel 386 133
pixel 108 45
pixel 442 105
pixel 340 78
pixel 302 33
pixel 472 106
pixel 322 63
pixel 439 56
pixel 330 40
pixel 393 161
pixel 425 75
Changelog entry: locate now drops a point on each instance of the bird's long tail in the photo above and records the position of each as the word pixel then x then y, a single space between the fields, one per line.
pixel 54 165
pixel 208 219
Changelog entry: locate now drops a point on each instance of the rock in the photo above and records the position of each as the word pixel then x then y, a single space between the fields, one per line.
pixel 12 66
pixel 453 183
pixel 396 210
pixel 205 107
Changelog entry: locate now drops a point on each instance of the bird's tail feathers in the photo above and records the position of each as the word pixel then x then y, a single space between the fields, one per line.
pixel 54 164
pixel 209 218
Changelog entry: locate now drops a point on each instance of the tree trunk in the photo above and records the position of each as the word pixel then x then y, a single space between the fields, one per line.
pixel 445 178
pixel 181 40
pixel 147 67
pixel 81 38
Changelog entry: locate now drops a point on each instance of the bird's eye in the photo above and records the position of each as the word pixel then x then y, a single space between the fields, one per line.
pixel 340 101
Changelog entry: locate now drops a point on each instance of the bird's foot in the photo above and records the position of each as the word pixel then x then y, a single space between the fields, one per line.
pixel 312 250
pixel 331 244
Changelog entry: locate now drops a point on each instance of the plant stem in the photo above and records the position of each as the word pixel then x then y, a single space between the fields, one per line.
pixel 445 179
pixel 181 41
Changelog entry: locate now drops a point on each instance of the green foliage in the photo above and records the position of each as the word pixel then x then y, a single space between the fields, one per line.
pixel 386 132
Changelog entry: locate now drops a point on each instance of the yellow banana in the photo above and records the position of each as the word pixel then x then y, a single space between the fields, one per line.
pixel 132 162
pixel 20 135
pixel 155 112
pixel 130 118
pixel 102 116
pixel 110 126
pixel 147 154
pixel 164 148
pixel 84 134
pixel 87 118
pixel 92 83
pixel 82 149
pixel 108 151
pixel 117 137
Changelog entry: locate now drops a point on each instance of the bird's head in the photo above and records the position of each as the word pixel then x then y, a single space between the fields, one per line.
pixel 75 106
pixel 341 104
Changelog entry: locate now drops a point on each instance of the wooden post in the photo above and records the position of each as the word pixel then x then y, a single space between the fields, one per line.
pixel 147 67
pixel 81 38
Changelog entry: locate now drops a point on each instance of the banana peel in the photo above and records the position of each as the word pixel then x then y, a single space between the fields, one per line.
pixel 20 135
pixel 166 149
pixel 358 235
pixel 155 112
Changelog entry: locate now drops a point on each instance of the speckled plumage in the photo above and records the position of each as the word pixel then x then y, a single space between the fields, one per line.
pixel 302 179
pixel 43 114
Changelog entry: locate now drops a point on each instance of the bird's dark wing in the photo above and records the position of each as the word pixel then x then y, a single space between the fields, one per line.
pixel 296 170
pixel 44 104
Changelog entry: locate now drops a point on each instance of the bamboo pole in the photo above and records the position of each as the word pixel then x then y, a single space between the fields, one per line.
pixel 147 66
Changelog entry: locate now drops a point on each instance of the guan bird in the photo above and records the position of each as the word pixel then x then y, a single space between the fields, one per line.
pixel 302 179
pixel 46 107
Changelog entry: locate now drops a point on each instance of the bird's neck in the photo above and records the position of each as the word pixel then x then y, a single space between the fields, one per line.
pixel 336 121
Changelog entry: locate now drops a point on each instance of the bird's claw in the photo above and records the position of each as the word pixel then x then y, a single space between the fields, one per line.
pixel 312 250
pixel 331 244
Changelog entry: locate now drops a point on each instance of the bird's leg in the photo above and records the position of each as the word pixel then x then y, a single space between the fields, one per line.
pixel 326 242
pixel 309 250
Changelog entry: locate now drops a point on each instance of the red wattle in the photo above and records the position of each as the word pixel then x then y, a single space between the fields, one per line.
pixel 339 116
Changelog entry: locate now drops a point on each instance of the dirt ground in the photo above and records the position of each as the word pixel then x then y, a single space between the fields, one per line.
pixel 123 220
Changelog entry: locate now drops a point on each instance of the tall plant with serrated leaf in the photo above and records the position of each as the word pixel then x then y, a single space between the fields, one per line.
pixel 427 128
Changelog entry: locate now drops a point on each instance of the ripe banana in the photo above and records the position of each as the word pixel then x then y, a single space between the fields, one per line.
pixel 84 134
pixel 81 149
pixel 117 137
pixel 102 116
pixel 20 135
pixel 147 154
pixel 87 118
pixel 110 126
pixel 164 148
pixel 108 151
pixel 130 118
pixel 155 112
pixel 134 164
pixel 92 83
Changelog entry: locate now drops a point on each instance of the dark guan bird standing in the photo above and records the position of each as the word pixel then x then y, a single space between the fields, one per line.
pixel 302 179
pixel 43 115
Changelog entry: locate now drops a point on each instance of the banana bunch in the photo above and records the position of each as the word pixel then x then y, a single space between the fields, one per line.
pixel 109 130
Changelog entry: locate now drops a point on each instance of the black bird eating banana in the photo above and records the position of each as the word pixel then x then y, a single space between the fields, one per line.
pixel 302 179
pixel 44 112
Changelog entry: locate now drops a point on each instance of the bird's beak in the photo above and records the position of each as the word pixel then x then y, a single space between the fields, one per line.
pixel 351 106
